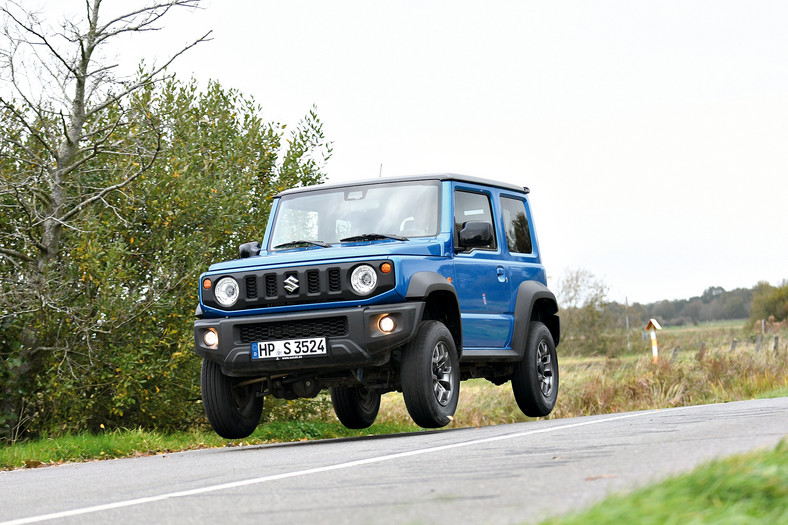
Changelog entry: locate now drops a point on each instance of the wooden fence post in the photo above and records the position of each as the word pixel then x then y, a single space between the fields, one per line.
pixel 758 341
pixel 702 351
pixel 733 345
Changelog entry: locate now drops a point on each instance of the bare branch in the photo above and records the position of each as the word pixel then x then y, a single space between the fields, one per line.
pixel 31 158
pixel 30 212
pixel 100 195
pixel 147 80
pixel 23 121
pixel 62 223
pixel 43 39
pixel 151 14
pixel 13 254
pixel 115 211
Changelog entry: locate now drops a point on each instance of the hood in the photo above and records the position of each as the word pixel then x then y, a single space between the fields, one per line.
pixel 315 255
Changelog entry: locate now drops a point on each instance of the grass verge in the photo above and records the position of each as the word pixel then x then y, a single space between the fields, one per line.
pixel 122 443
pixel 747 488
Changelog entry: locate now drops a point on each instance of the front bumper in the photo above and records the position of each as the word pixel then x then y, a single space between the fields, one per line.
pixel 352 335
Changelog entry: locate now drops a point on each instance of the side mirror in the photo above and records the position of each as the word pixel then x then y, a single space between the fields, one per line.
pixel 475 234
pixel 249 249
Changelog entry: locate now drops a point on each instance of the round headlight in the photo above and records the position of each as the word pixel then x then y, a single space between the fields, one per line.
pixel 226 291
pixel 363 279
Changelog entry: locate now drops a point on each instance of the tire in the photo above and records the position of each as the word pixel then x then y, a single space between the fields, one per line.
pixel 233 411
pixel 356 407
pixel 431 376
pixel 535 378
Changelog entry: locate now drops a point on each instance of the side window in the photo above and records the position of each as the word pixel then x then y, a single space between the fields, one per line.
pixel 515 220
pixel 472 207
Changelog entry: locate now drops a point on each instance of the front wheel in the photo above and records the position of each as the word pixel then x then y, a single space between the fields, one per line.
pixel 356 407
pixel 232 408
pixel 431 376
pixel 535 378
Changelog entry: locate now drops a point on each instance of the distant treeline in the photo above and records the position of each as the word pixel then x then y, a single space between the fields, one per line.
pixel 715 304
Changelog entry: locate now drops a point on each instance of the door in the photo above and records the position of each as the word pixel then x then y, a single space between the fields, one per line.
pixel 482 280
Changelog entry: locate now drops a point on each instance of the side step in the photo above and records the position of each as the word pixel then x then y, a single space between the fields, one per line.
pixel 484 355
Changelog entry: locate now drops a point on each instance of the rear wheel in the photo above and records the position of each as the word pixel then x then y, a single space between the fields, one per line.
pixel 535 378
pixel 232 408
pixel 431 376
pixel 356 407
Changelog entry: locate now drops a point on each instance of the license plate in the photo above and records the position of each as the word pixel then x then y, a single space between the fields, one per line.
pixel 289 348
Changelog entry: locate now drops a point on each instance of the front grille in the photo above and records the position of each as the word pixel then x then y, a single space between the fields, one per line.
pixel 334 280
pixel 326 327
pixel 313 281
pixel 270 285
pixel 251 287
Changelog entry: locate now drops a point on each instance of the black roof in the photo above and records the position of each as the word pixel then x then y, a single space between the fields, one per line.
pixel 406 178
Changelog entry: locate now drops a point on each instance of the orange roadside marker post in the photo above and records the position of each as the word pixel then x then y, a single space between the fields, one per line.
pixel 652 327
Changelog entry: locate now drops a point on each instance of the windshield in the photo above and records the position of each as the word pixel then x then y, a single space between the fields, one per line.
pixel 396 210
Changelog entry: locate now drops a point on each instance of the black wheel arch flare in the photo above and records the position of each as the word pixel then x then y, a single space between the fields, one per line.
pixel 535 302
pixel 441 302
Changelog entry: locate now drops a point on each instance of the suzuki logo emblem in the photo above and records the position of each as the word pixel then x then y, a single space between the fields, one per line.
pixel 291 284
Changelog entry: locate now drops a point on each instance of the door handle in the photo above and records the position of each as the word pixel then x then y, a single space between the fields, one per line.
pixel 501 274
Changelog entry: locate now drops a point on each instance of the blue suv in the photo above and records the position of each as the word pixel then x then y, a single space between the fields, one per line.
pixel 408 284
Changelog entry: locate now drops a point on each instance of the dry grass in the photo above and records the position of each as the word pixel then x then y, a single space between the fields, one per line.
pixel 598 385
pixel 620 386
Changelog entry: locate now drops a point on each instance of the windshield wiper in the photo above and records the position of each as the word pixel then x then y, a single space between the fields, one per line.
pixel 373 237
pixel 295 244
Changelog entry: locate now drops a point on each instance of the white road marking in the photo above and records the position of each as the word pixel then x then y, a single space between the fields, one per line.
pixel 317 470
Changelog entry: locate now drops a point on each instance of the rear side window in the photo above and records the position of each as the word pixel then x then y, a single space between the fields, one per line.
pixel 515 220
pixel 472 207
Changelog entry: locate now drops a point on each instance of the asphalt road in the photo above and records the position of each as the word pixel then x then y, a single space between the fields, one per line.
pixel 503 474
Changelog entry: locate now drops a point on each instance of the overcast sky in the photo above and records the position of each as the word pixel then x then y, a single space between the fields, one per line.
pixel 653 135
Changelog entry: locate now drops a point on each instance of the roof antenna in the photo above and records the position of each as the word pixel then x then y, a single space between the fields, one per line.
pixel 380 173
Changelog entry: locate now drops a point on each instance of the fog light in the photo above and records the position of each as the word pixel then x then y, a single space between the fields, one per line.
pixel 386 324
pixel 210 337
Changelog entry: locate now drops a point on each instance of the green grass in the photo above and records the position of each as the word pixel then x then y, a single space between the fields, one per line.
pixel 706 326
pixel 777 392
pixel 132 443
pixel 748 488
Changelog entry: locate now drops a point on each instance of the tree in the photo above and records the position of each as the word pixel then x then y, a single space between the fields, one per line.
pixel 664 311
pixel 63 114
pixel 585 319
pixel 691 310
pixel 115 193
pixel 711 293
pixel 769 302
